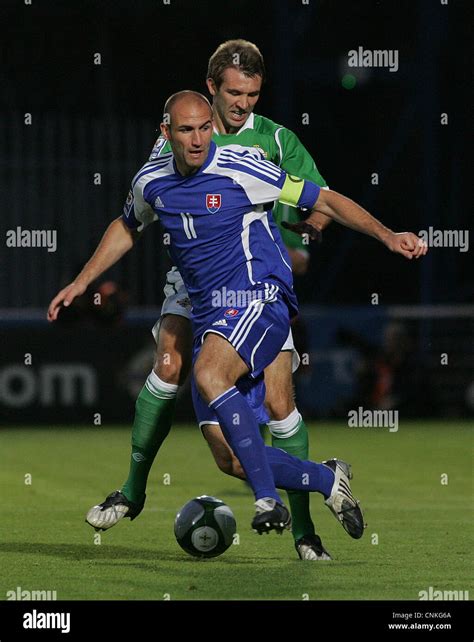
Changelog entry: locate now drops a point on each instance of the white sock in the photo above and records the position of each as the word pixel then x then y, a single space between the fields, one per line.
pixel 286 427
pixel 160 388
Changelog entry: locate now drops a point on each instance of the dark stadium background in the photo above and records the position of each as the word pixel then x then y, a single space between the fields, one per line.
pixel 89 119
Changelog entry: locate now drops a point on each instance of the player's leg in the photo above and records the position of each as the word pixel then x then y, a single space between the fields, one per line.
pixel 208 423
pixel 154 408
pixel 289 432
pixel 330 478
pixel 223 454
pixel 248 342
pixel 217 369
pixel 156 402
pixel 154 411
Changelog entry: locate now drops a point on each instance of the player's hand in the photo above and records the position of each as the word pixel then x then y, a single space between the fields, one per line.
pixel 302 228
pixel 64 298
pixel 406 243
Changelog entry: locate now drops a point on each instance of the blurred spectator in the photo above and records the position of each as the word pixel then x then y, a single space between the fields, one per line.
pixel 101 305
pixel 388 376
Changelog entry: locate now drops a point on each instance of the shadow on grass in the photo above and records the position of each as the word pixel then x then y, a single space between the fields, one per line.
pixel 116 554
pixel 242 491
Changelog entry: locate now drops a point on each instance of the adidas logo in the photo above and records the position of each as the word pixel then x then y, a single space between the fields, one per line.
pixel 158 202
pixel 220 322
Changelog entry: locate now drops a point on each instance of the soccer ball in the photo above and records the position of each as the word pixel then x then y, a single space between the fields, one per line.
pixel 205 527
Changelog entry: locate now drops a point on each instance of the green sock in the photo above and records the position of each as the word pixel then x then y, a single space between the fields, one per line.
pixel 297 445
pixel 152 423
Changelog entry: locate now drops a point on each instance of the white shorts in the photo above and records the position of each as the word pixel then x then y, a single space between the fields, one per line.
pixel 177 302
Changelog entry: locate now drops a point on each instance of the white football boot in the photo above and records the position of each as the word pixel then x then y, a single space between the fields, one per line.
pixel 115 507
pixel 341 502
pixel 310 548
pixel 270 515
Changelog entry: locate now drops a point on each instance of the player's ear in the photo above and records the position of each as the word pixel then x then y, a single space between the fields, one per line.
pixel 165 130
pixel 211 85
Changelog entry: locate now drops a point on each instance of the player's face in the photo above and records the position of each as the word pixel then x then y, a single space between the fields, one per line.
pixel 189 133
pixel 235 99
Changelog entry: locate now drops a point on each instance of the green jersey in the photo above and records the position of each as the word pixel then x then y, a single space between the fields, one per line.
pixel 279 145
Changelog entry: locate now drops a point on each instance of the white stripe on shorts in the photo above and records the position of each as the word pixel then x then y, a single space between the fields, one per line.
pixel 249 313
pixel 240 340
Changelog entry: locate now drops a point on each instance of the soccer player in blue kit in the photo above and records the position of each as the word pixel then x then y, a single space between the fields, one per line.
pixel 214 203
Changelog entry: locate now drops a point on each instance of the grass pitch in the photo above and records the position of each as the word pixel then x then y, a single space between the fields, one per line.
pixel 415 487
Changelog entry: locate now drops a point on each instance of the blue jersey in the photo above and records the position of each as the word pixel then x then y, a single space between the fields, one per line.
pixel 223 236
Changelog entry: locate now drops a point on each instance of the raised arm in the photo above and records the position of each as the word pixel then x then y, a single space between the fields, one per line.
pixel 352 215
pixel 348 213
pixel 118 239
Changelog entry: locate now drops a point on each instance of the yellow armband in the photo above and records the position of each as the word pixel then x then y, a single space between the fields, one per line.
pixel 291 190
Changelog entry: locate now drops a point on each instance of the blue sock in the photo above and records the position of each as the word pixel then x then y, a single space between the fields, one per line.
pixel 291 473
pixel 241 431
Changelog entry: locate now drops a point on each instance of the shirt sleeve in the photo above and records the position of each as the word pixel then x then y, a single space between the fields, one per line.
pixel 298 192
pixel 264 182
pixel 295 158
pixel 137 213
pixel 260 180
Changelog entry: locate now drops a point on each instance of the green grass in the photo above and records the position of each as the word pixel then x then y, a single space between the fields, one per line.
pixel 422 526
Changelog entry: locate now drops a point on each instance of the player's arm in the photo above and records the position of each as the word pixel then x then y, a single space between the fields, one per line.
pixel 118 239
pixel 296 192
pixel 307 195
pixel 348 213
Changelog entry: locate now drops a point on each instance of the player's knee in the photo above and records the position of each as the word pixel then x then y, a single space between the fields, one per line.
pixel 171 366
pixel 279 406
pixel 174 348
pixel 209 381
pixel 203 384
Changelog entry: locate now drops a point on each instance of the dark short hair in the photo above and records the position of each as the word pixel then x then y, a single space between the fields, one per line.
pixel 241 54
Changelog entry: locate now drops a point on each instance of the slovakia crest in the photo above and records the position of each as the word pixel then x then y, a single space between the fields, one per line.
pixel 213 203
pixel 231 312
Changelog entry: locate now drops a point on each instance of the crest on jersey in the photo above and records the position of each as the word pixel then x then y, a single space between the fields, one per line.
pixel 231 312
pixel 185 303
pixel 261 150
pixel 157 147
pixel 128 203
pixel 213 203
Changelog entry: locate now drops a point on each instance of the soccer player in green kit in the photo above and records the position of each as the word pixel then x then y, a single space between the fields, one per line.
pixel 235 76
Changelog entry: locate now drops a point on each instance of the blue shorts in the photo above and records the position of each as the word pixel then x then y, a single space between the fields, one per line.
pixel 257 332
